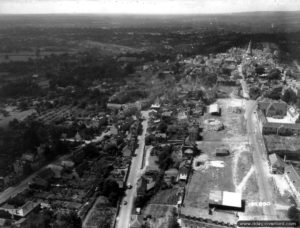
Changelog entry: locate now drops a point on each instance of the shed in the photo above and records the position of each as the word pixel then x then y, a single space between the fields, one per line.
pixel 214 109
pixel 222 152
pixel 276 164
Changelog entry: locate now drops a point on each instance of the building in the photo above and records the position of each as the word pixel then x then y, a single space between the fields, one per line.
pixel 126 152
pixel 193 133
pixel 114 106
pixel 225 200
pixel 292 114
pixel 214 109
pixel 18 167
pixel 277 127
pixel 28 157
pixel 67 164
pixel 222 152
pixel 293 179
pixel 249 49
pixel 170 176
pixel 276 164
pixel 182 116
pixel 272 108
pixel 183 174
pixel 136 221
pixel 22 211
pixel 78 137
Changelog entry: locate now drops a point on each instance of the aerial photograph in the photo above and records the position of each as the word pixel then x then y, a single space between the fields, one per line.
pixel 149 113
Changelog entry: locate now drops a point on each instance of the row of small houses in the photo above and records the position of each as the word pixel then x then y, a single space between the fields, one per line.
pixel 278 166
pixel 278 109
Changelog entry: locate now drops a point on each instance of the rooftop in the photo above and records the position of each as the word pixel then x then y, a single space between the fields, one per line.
pixel 225 198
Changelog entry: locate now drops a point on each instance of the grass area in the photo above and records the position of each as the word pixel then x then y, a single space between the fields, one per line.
pixel 244 164
pixel 168 196
pixel 203 181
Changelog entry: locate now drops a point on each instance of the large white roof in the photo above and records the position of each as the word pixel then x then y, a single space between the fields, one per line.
pixel 232 199
pixel 214 108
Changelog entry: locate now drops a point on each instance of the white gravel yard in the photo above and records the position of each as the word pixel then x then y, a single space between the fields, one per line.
pixel 281 184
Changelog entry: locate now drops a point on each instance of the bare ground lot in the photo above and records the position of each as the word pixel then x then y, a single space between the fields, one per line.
pixel 230 173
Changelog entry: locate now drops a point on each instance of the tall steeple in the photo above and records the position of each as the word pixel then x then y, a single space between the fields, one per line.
pixel 249 50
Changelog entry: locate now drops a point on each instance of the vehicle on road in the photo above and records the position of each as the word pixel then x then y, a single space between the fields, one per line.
pixel 129 186
pixel 125 202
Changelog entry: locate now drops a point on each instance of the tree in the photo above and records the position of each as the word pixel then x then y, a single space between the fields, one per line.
pixel 23 105
pixel 254 92
pixel 112 191
pixel 275 93
pixel 91 150
pixel 289 96
pixel 260 70
pixel 70 220
pixel 165 160
pixel 274 74
pixel 162 127
pixel 173 220
pixel 27 169
pixel 293 213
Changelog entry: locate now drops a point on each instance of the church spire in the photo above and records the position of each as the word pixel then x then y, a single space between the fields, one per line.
pixel 249 50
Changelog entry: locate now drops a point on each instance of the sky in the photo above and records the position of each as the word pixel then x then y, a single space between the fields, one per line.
pixel 144 6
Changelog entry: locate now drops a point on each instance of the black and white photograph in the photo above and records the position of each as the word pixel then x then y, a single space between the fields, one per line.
pixel 149 113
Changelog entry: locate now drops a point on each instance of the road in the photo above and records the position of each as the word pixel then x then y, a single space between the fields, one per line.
pixel 259 153
pixel 134 174
pixel 243 83
pixel 260 161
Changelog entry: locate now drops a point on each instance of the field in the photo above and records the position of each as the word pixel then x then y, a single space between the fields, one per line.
pixel 27 55
pixel 168 197
pixel 19 115
pixel 234 172
pixel 55 114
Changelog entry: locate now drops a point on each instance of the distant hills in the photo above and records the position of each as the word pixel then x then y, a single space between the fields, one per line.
pixel 255 21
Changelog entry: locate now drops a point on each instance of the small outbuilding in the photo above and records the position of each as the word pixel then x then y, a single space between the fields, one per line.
pixel 222 152
pixel 214 109
pixel 276 164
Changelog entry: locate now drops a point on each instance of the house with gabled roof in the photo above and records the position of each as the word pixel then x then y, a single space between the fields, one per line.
pixel 273 107
pixel 293 179
pixel 136 221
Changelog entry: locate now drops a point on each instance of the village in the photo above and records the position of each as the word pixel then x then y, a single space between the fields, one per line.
pixel 213 143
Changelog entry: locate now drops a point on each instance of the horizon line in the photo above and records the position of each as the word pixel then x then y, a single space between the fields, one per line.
pixel 150 14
